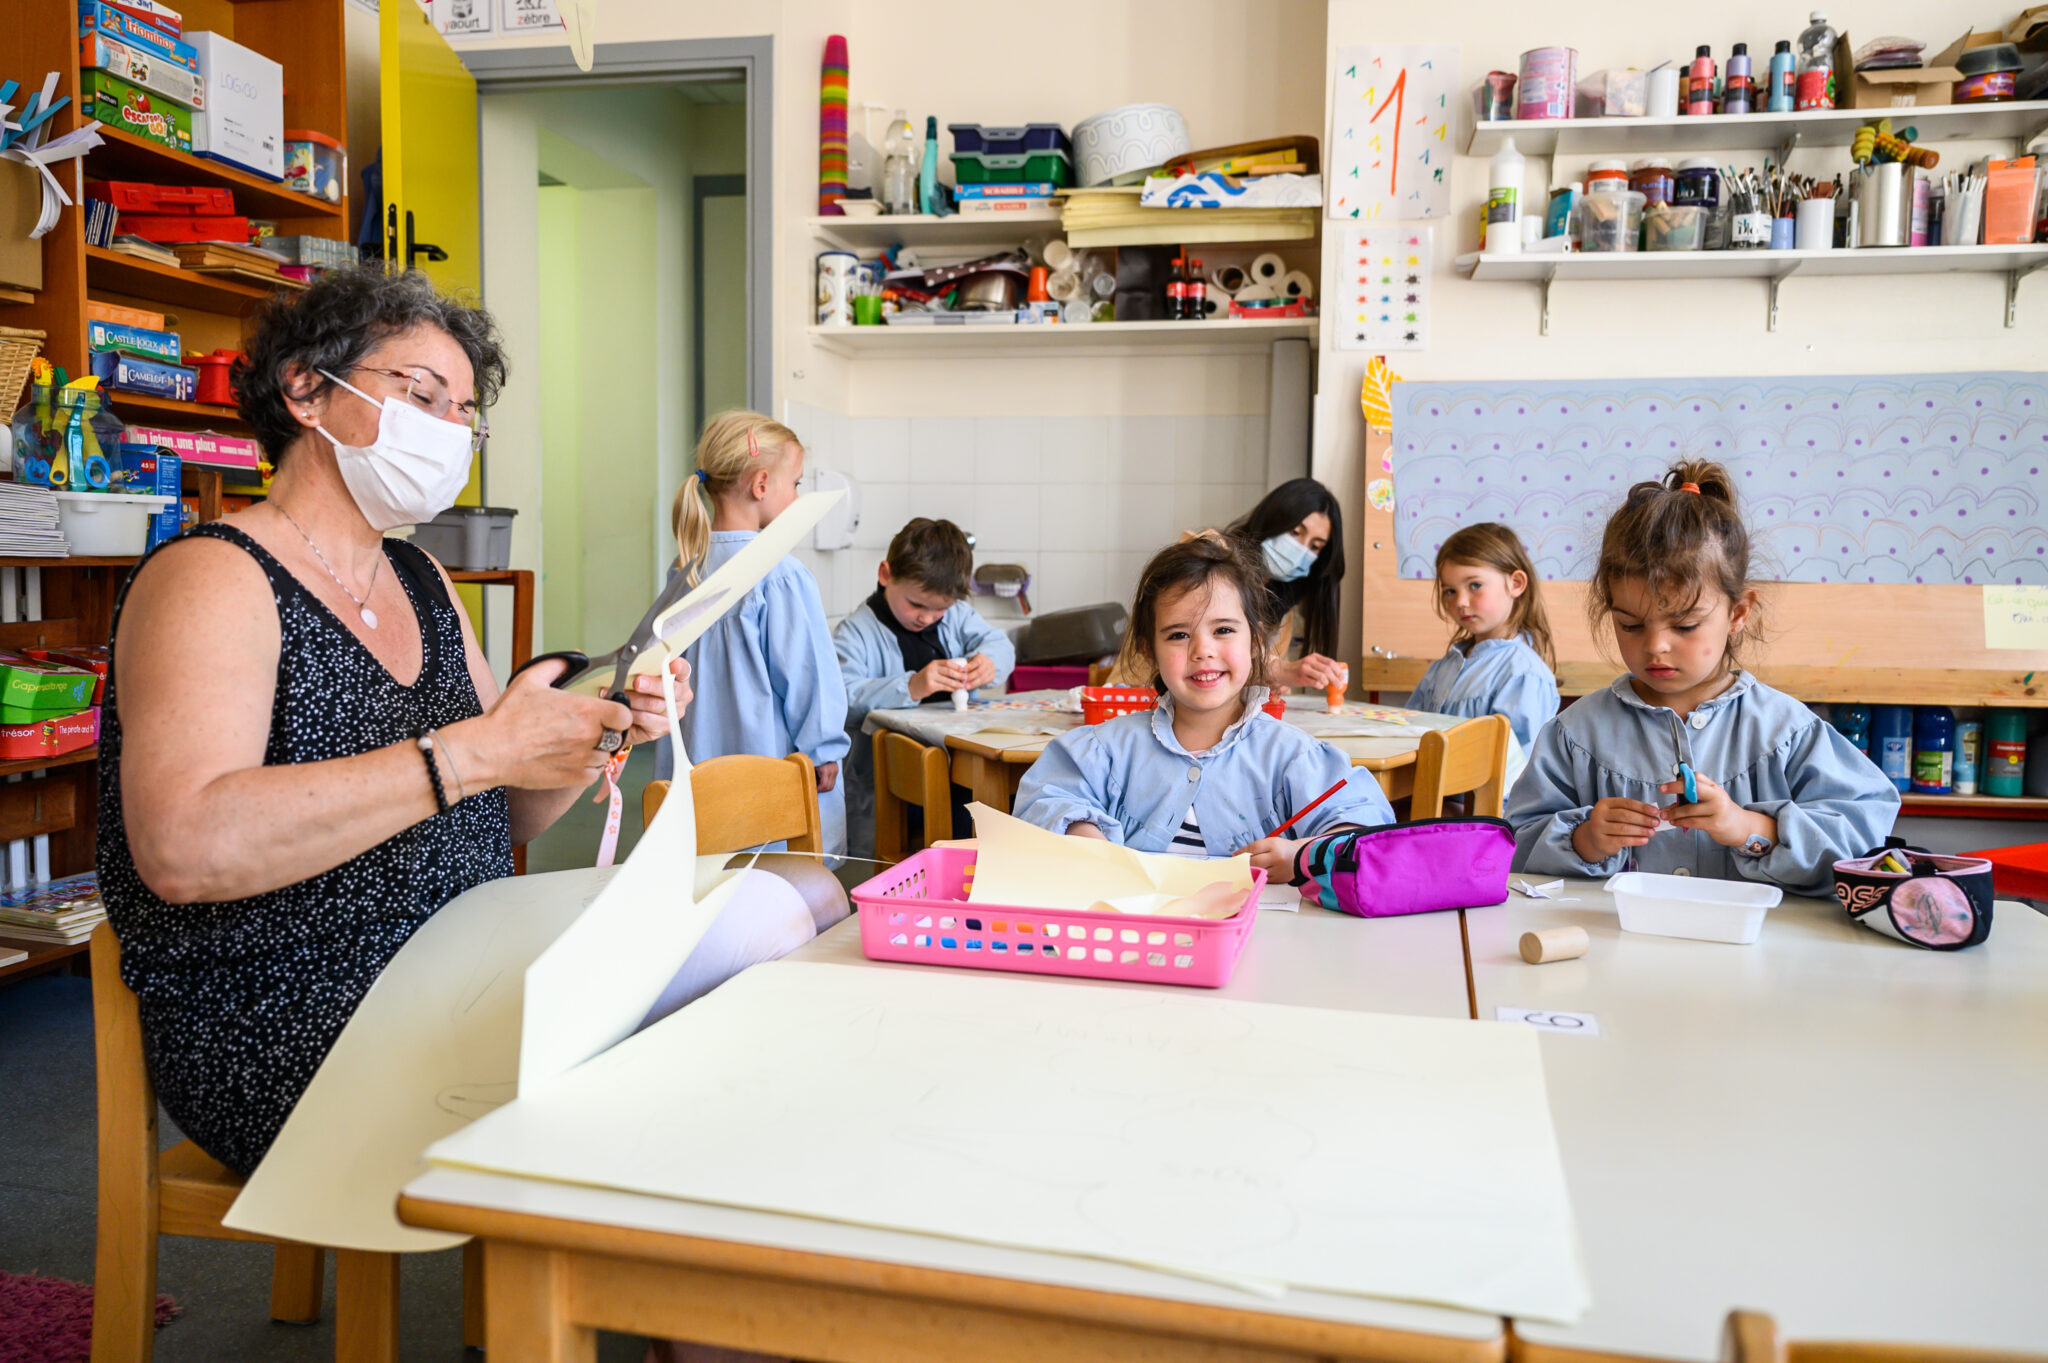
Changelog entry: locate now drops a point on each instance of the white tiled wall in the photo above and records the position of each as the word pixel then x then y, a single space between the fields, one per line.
pixel 1080 501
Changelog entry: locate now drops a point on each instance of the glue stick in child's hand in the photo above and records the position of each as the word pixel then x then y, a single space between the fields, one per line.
pixel 1333 694
pixel 960 697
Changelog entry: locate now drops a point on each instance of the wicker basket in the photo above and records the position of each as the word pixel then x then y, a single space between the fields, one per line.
pixel 18 350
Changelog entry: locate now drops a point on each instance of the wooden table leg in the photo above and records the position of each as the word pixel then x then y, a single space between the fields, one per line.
pixel 522 616
pixel 298 1278
pixel 473 1295
pixel 986 778
pixel 365 1307
pixel 526 1304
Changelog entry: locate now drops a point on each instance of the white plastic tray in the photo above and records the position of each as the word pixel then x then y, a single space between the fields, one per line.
pixel 1703 909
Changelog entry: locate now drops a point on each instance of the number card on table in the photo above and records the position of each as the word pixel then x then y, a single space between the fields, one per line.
pixel 1382 291
pixel 1390 131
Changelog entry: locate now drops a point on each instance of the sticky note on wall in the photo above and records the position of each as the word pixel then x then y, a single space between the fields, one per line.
pixel 2016 617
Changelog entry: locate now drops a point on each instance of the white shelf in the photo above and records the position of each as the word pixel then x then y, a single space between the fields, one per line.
pixel 2014 262
pixel 2016 122
pixel 922 229
pixel 1093 338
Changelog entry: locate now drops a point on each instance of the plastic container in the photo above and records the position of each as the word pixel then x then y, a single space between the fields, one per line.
pixel 1934 750
pixel 471 538
pixel 917 911
pixel 1099 703
pixel 1891 743
pixel 1607 176
pixel 1035 167
pixel 1852 721
pixel 1697 907
pixel 1814 87
pixel 1674 227
pixel 1047 677
pixel 133 197
pixel 1505 175
pixel 1652 178
pixel 986 140
pixel 1611 220
pixel 1969 756
pixel 2005 753
pixel 315 164
pixel 214 370
pixel 107 523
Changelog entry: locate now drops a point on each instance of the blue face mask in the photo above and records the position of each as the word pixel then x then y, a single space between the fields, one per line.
pixel 1287 558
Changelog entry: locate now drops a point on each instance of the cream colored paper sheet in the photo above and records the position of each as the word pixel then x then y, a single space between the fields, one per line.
pixel 1251 1144
pixel 1023 865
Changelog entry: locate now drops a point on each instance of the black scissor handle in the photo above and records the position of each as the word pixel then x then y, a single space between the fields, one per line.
pixel 579 663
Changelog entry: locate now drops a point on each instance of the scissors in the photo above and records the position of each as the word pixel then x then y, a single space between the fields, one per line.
pixel 1684 771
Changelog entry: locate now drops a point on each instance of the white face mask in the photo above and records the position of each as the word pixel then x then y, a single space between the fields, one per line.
pixel 1287 558
pixel 415 470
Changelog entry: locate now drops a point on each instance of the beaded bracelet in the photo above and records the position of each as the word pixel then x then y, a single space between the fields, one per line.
pixel 426 742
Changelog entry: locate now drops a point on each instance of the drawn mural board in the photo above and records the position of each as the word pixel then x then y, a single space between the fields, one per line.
pixel 1391 111
pixel 1883 505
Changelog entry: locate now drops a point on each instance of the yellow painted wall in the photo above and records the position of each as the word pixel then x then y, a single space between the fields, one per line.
pixel 559 515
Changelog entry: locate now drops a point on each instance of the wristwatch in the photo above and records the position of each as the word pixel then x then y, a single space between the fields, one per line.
pixel 1757 846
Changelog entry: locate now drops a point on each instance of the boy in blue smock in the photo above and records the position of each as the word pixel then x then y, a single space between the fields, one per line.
pixel 914 641
pixel 765 678
pixel 1208 773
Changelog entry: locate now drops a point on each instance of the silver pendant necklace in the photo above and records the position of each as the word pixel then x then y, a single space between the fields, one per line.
pixel 369 616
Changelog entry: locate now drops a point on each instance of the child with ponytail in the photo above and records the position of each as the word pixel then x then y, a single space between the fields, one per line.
pixel 1500 656
pixel 1778 795
pixel 766 679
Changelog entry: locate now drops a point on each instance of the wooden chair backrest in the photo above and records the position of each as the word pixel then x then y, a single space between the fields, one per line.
pixel 908 772
pixel 1752 1337
pixel 1472 756
pixel 127 1100
pixel 743 801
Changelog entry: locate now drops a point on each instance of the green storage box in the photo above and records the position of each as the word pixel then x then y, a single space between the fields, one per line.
pixel 43 688
pixel 1018 168
pixel 132 109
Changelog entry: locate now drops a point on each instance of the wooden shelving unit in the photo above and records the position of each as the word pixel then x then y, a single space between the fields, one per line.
pixel 2016 122
pixel 1095 338
pixel 307 38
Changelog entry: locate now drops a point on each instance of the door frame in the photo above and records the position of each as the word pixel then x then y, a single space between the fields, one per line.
pixel 704 187
pixel 505 70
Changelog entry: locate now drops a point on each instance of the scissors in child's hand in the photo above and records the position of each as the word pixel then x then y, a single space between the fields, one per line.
pixel 581 665
pixel 1684 771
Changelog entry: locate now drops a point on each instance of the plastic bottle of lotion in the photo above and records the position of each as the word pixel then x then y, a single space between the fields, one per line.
pixel 1504 199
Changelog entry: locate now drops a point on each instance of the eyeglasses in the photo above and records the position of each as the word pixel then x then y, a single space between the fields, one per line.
pixel 430 395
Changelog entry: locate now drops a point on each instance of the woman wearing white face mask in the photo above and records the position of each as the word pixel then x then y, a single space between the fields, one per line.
pixel 304 755
pixel 1298 533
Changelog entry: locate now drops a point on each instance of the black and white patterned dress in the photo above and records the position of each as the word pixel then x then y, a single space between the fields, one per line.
pixel 242 1000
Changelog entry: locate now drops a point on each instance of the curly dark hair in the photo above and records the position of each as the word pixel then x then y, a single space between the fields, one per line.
pixel 332 325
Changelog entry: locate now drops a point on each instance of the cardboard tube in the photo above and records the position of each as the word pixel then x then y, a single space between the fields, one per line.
pixel 1555 944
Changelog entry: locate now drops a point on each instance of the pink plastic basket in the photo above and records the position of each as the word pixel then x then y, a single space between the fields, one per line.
pixel 917 911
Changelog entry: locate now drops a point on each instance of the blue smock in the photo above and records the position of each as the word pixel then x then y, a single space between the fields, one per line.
pixel 1491 677
pixel 1133 780
pixel 871 665
pixel 765 680
pixel 1767 750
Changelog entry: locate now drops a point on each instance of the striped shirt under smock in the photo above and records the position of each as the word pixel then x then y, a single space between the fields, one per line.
pixel 1188 841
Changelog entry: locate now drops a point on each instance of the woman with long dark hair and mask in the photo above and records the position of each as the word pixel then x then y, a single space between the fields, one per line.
pixel 1298 533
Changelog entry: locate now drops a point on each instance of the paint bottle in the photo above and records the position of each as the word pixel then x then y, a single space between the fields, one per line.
pixel 1969 755
pixel 1699 82
pixel 1504 199
pixel 1852 721
pixel 1891 743
pixel 1779 99
pixel 1739 96
pixel 2005 752
pixel 1934 750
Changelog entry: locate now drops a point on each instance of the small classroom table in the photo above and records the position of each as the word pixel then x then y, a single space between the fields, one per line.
pixel 990 758
pixel 1827 1125
pixel 561 1261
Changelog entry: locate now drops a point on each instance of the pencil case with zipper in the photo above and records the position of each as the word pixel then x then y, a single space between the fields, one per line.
pixel 1939 902
pixel 1421 866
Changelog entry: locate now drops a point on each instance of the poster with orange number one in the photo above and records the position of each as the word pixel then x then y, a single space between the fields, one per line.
pixel 1391 120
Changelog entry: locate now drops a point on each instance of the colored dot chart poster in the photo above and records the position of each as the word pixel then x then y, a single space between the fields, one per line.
pixel 1390 132
pixel 1382 297
pixel 1900 478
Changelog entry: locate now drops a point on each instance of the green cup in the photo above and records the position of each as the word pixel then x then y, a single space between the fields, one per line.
pixel 867 310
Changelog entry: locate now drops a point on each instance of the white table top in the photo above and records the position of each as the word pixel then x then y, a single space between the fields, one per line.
pixel 1828 1125
pixel 1314 958
pixel 1360 731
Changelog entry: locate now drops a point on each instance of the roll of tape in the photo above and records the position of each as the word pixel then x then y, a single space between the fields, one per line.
pixel 1229 278
pixel 1268 269
pixel 1297 284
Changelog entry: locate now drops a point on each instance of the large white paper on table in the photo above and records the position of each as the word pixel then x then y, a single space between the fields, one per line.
pixel 1021 865
pixel 1252 1144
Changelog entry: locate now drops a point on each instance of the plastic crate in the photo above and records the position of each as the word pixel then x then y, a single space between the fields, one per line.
pixel 985 140
pixel 917 911
pixel 1047 677
pixel 471 538
pixel 1031 167
pixel 1099 703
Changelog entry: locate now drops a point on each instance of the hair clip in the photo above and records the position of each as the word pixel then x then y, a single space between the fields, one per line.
pixel 754 446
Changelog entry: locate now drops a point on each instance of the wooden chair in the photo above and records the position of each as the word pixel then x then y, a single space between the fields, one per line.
pixel 909 773
pixel 185 1191
pixel 745 801
pixel 1752 1337
pixel 1472 756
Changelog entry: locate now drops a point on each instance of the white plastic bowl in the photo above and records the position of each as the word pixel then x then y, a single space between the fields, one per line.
pixel 1692 906
pixel 107 523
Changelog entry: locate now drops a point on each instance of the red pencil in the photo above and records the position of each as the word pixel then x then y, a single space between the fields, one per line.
pixel 1307 807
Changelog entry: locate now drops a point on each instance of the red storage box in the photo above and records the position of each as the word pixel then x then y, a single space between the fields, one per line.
pixel 163 227
pixel 51 737
pixel 131 197
pixel 1107 702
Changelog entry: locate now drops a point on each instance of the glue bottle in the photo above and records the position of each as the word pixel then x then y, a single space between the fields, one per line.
pixel 960 698
pixel 1504 200
pixel 1699 82
pixel 1934 750
pixel 1969 755
pixel 1779 98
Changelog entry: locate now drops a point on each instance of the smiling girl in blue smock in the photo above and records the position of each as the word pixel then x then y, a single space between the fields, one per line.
pixel 1689 765
pixel 1498 663
pixel 1207 773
